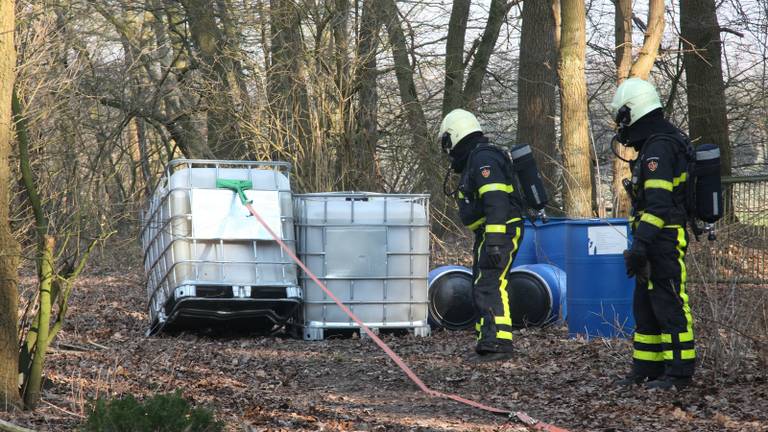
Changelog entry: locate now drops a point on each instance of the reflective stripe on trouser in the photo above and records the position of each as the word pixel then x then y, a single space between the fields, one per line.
pixel 663 341
pixel 490 291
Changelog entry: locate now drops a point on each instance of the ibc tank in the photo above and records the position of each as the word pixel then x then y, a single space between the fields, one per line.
pixel 599 292
pixel 526 252
pixel 372 251
pixel 450 298
pixel 550 242
pixel 205 259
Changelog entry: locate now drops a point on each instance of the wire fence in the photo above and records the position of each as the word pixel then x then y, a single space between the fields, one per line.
pixel 740 254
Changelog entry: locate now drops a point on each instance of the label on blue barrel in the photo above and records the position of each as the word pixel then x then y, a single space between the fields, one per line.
pixel 607 240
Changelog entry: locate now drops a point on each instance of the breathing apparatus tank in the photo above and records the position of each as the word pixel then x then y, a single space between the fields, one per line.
pixel 524 165
pixel 708 188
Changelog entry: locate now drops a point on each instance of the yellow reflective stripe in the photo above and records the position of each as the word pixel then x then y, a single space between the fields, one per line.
pixel 476 224
pixel 658 184
pixel 683 337
pixel 686 354
pixel 501 229
pixel 503 320
pixel 681 243
pixel 653 220
pixel 635 220
pixel 507 317
pixel 495 187
pixel 680 179
pixel 480 272
pixel 479 328
pixel 501 334
pixel 648 339
pixel 647 355
pixel 460 194
pixel 514 220
pixel 515 240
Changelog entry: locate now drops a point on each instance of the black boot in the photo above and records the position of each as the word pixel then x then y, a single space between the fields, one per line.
pixel 487 357
pixel 669 383
pixel 634 378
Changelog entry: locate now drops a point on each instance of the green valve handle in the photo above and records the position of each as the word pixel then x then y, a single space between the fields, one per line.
pixel 238 186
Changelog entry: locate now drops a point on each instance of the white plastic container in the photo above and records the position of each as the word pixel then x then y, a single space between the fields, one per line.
pixel 205 258
pixel 372 251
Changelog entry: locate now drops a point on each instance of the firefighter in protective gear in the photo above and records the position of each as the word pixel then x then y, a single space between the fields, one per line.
pixel 664 354
pixel 490 207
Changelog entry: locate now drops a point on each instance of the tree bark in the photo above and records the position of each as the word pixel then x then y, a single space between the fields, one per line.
pixel 621 202
pixel 707 118
pixel 361 160
pixel 9 248
pixel 286 88
pixel 410 99
pixel 453 92
pixel 225 97
pixel 536 83
pixel 577 191
pixel 651 41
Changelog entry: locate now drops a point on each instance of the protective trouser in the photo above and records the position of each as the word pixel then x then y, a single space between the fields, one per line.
pixel 494 328
pixel 663 341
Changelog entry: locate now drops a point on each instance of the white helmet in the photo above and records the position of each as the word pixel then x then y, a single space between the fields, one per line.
pixel 456 125
pixel 638 95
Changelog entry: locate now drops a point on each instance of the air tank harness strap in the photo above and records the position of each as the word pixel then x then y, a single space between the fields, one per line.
pixel 512 415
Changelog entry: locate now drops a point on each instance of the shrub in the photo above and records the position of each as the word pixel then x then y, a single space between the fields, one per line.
pixel 160 413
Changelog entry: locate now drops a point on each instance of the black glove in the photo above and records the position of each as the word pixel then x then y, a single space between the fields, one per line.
pixel 495 244
pixel 636 261
pixel 493 253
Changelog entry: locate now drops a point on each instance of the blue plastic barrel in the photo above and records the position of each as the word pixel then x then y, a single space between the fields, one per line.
pixel 450 298
pixel 599 293
pixel 537 295
pixel 550 242
pixel 526 249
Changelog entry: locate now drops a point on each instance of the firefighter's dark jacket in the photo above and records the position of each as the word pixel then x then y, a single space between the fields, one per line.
pixel 487 198
pixel 659 176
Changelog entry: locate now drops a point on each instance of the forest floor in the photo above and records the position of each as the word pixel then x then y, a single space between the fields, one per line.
pixel 259 383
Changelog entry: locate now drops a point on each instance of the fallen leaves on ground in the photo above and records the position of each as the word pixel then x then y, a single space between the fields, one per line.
pixel 258 383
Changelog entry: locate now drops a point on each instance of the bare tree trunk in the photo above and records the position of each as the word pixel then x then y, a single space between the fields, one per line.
pixel 454 56
pixel 621 201
pixel 647 57
pixel 414 112
pixel 536 83
pixel 347 176
pixel 362 158
pixel 286 88
pixel 707 117
pixel 641 68
pixel 225 97
pixel 9 248
pixel 496 16
pixel 577 191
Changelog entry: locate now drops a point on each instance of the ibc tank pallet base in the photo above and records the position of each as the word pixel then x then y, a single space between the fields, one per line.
pixel 231 307
pixel 316 333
